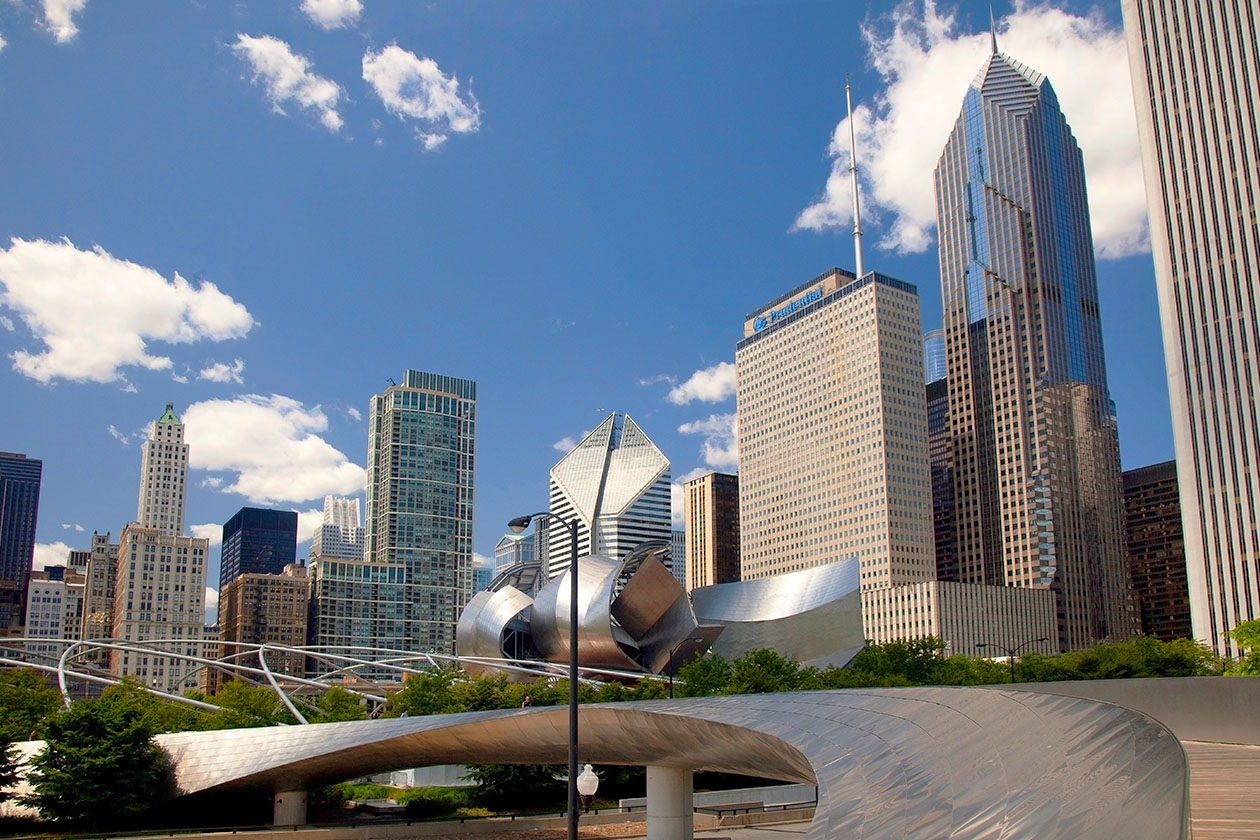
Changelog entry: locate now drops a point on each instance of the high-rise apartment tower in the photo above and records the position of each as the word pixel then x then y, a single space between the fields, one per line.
pixel 421 444
pixel 1034 447
pixel 257 541
pixel 711 517
pixel 1196 69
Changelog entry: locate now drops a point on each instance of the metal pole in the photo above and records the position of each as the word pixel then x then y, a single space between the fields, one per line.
pixel 671 673
pixel 1011 659
pixel 573 678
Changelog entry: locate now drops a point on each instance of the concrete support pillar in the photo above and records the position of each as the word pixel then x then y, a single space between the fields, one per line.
pixel 289 808
pixel 669 804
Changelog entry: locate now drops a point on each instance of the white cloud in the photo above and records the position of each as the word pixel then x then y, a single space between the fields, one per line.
pixel 566 443
pixel 287 77
pixel 414 88
pixel 656 380
pixel 50 554
pixel 71 526
pixel 124 439
pixel 333 14
pixel 208 531
pixel 7 323
pixel 482 560
pixel 2 46
pixel 271 445
pixel 926 66
pixel 222 372
pixel 720 449
pixel 308 523
pixel 94 313
pixel 676 498
pixel 711 385
pixel 59 18
pixel 355 414
pixel 214 482
pixel 212 605
pixel 180 378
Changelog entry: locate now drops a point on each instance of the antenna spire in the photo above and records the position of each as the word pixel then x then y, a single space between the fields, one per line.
pixel 992 30
pixel 853 179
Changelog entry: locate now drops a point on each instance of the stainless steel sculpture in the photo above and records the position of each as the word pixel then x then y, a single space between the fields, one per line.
pixel 889 763
pixel 813 616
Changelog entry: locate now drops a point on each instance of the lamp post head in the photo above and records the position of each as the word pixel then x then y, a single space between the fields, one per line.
pixel 519 524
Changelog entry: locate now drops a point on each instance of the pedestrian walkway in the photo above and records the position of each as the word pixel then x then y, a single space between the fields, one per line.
pixel 1224 779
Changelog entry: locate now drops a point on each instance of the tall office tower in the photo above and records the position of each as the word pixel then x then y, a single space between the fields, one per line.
pixel 711 516
pixel 98 596
pixel 1036 457
pixel 19 512
pixel 353 603
pixel 940 457
pixel 483 574
pixel 264 608
pixel 678 555
pixel 420 500
pixel 1195 73
pixel 257 541
pixel 833 458
pixel 934 367
pixel 163 475
pixel 616 484
pixel 160 575
pixel 1157 550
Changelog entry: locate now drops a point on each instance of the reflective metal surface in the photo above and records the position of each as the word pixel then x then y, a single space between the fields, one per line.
pixel 813 616
pixel 485 621
pixel 892 763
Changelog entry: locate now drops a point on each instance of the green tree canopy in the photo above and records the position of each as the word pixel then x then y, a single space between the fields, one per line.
pixel 25 703
pixel 337 704
pixel 99 766
pixel 1247 637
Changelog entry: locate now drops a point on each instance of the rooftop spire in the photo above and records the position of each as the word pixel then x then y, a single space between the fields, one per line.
pixel 992 30
pixel 853 181
pixel 169 416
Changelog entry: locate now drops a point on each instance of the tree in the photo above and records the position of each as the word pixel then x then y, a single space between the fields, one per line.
pixel 1247 636
pixel 337 704
pixel 426 693
pixel 100 765
pixel 25 703
pixel 503 786
pixel 703 676
pixel 8 770
pixel 241 705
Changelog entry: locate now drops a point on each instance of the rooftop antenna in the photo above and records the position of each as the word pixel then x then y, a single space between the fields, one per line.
pixel 992 30
pixel 853 168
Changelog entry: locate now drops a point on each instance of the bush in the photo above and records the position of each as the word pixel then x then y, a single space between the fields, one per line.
pixel 426 803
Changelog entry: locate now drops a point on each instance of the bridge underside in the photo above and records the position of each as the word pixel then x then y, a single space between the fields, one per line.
pixel 890 763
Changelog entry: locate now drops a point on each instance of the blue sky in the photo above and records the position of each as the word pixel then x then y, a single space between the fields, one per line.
pixel 262 211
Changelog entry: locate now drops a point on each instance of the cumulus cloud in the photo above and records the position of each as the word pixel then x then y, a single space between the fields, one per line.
pixel 309 521
pixel 720 449
pixel 415 89
pixel 180 378
pixel 566 443
pixel 711 385
pixel 355 414
pixel 7 323
pixel 656 380
pixel 95 313
pixel 287 78
pixel 212 605
pixel 333 14
pixel 208 531
pixel 676 497
pixel 926 65
pixel 271 448
pixel 222 372
pixel 2 46
pixel 59 18
pixel 119 436
pixel 71 526
pixel 50 554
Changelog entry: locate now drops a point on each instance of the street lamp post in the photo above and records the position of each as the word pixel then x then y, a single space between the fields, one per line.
pixel 1011 652
pixel 518 525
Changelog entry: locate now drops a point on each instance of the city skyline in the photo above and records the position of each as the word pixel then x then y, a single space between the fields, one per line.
pixel 506 254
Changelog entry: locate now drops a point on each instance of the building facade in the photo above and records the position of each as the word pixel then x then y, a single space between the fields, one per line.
pixel 1195 69
pixel 934 367
pixel 257 541
pixel 833 458
pixel 260 608
pixel 19 514
pixel 711 517
pixel 54 608
pixel 1034 445
pixel 160 574
pixel 514 550
pixel 1157 551
pixel 941 460
pixel 421 450
pixel 615 483
pixel 98 592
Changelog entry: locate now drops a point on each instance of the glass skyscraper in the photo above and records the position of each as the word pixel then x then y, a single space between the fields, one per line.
pixel 19 511
pixel 1195 69
pixel 1032 426
pixel 421 444
pixel 257 541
